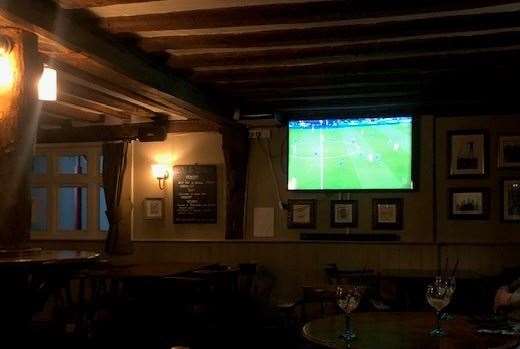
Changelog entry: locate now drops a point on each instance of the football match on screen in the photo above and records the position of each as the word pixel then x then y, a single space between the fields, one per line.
pixel 350 154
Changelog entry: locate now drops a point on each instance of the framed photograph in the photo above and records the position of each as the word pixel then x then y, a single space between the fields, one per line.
pixel 467 153
pixel 343 213
pixel 510 200
pixel 301 214
pixel 509 151
pixel 153 208
pixel 468 203
pixel 387 214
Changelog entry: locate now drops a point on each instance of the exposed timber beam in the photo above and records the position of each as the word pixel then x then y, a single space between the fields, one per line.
pixel 376 47
pixel 440 27
pixel 349 65
pixel 71 88
pixel 94 106
pixel 97 55
pixel 314 11
pixel 73 112
pixel 107 133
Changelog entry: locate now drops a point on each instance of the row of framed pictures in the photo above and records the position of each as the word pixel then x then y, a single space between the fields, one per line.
pixel 468 153
pixel 386 214
pixel 474 203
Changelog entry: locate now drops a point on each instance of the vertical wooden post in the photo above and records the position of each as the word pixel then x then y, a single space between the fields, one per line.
pixel 18 125
pixel 235 145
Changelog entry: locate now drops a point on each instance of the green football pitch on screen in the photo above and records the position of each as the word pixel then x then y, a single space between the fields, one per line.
pixel 350 154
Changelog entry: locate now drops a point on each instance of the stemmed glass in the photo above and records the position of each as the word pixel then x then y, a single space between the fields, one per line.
pixel 348 298
pixel 438 296
pixel 452 286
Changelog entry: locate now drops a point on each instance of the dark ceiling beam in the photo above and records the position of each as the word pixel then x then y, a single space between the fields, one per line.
pixel 77 4
pixel 321 35
pixel 96 54
pixel 338 102
pixel 327 90
pixel 377 47
pixel 317 11
pixel 72 112
pixel 118 132
pixel 274 99
pixel 71 88
pixel 94 106
pixel 436 61
pixel 392 76
pixel 49 119
pixel 132 97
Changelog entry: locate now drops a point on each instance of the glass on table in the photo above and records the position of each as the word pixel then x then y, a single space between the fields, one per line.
pixel 438 296
pixel 348 298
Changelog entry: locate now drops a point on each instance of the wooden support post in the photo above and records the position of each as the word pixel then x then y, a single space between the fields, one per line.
pixel 235 145
pixel 19 110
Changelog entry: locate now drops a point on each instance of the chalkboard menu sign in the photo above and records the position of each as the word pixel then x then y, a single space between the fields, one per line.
pixel 195 194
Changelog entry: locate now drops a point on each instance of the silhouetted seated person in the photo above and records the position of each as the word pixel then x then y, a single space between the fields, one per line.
pixel 508 298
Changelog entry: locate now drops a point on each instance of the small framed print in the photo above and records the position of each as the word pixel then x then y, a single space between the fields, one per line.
pixel 343 213
pixel 468 203
pixel 387 214
pixel 510 200
pixel 509 151
pixel 153 208
pixel 301 214
pixel 467 153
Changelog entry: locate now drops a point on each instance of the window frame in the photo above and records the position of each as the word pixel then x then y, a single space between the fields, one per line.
pixel 53 180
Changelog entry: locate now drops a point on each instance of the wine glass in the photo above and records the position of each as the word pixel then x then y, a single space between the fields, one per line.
pixel 348 298
pixel 438 296
pixel 452 286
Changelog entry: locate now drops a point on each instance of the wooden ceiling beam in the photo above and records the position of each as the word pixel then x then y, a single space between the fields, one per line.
pixel 49 119
pixel 322 89
pixel 96 96
pixel 72 112
pixel 77 4
pixel 94 106
pixel 413 46
pixel 336 33
pixel 348 65
pixel 320 93
pixel 315 11
pixel 118 132
pixel 392 76
pixel 133 97
pixel 94 53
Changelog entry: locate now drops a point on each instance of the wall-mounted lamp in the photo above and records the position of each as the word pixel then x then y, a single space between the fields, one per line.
pixel 160 171
pixel 48 85
pixel 6 69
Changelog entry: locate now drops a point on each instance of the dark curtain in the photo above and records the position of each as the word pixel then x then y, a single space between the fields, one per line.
pixel 114 166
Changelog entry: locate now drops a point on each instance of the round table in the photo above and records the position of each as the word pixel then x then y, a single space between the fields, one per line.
pixel 28 277
pixel 399 331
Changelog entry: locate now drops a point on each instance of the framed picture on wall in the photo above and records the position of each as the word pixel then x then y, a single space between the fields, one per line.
pixel 510 206
pixel 153 208
pixel 468 203
pixel 301 214
pixel 509 151
pixel 467 153
pixel 343 213
pixel 387 214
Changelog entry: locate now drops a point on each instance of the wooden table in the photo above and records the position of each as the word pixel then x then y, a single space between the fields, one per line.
pixel 399 331
pixel 148 270
pixel 38 257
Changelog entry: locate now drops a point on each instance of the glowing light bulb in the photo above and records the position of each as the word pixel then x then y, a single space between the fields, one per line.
pixel 160 171
pixel 48 85
pixel 6 72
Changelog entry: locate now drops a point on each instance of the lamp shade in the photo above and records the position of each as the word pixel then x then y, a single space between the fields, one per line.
pixel 48 85
pixel 160 171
